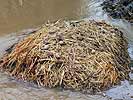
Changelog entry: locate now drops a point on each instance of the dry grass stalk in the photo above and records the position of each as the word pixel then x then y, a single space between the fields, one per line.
pixel 77 55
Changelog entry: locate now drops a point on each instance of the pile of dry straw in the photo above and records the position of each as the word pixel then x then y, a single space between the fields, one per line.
pixel 83 55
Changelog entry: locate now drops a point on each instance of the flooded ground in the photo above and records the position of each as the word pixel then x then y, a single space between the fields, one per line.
pixel 16 15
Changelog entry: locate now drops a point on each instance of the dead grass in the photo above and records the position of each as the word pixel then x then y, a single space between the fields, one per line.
pixel 77 55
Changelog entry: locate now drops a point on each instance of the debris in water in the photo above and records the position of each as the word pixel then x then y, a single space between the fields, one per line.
pixel 121 9
pixel 84 55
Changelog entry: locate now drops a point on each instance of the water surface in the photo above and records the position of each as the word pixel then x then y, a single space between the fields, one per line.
pixel 22 14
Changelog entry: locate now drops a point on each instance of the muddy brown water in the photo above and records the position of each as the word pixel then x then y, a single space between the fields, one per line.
pixel 22 15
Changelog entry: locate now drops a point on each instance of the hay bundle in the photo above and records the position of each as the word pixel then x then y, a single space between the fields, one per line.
pixel 77 55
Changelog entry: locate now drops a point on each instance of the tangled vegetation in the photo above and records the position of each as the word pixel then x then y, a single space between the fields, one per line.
pixel 121 9
pixel 82 55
